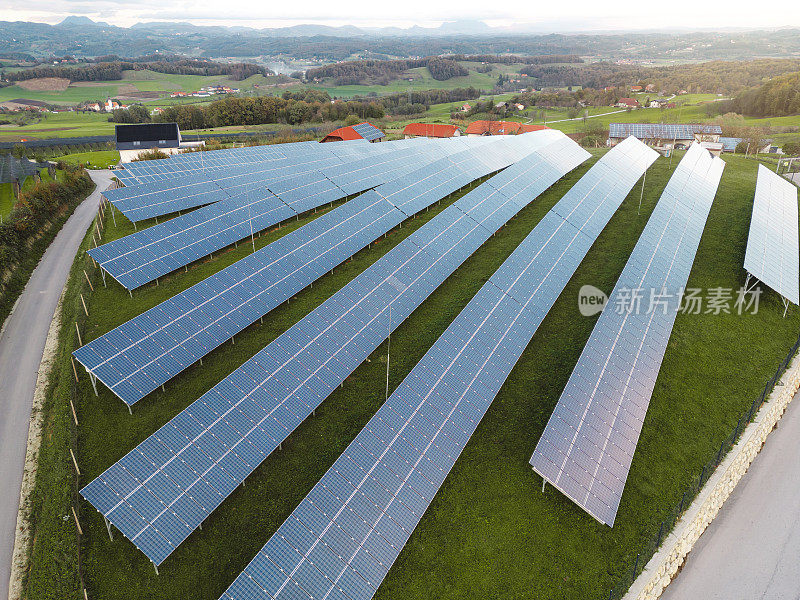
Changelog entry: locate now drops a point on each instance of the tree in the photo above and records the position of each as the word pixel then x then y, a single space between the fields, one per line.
pixel 352 120
pixel 792 148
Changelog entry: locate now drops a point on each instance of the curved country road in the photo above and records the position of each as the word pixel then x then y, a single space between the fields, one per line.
pixel 21 347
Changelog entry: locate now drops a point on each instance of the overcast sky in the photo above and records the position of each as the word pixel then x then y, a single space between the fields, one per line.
pixel 577 15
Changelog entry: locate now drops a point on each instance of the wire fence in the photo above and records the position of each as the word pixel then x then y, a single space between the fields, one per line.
pixel 637 563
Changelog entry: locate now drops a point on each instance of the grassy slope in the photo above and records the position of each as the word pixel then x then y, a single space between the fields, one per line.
pixel 58 125
pixel 100 159
pixel 489 532
pixel 7 199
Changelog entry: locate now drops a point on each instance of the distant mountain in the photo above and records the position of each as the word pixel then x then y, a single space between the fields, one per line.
pixel 77 21
pixel 81 36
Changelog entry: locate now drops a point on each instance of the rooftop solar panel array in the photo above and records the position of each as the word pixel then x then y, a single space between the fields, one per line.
pixel 139 356
pixel 368 132
pixel 217 441
pixel 661 130
pixel 343 538
pixel 143 256
pixel 772 245
pixel 588 445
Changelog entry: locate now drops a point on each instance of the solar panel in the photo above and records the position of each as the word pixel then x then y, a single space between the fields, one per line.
pixel 224 435
pixel 197 188
pixel 343 538
pixel 772 245
pixel 154 170
pixel 139 356
pixel 368 132
pixel 588 445
pixel 661 130
pixel 192 190
pixel 143 256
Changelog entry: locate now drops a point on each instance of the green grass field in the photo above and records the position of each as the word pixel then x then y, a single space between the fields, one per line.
pixel 101 159
pixel 490 532
pixel 420 79
pixel 7 199
pixel 59 125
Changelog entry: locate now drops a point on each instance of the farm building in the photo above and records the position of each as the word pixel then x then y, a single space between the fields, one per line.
pixel 729 143
pixel 661 103
pixel 665 137
pixel 132 140
pixel 628 103
pixel 477 128
pixel 362 131
pixel 431 130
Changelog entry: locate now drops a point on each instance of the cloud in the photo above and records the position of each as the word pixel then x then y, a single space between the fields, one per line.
pixel 578 14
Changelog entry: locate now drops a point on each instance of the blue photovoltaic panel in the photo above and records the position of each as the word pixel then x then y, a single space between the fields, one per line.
pixel 729 143
pixel 368 132
pixel 772 247
pixel 143 256
pixel 648 131
pixel 177 164
pixel 139 356
pixel 225 434
pixel 588 445
pixel 343 538
pixel 205 185
pixel 189 191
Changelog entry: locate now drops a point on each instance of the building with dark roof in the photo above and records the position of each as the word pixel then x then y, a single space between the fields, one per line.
pixel 431 130
pixel 362 131
pixel 665 136
pixel 147 136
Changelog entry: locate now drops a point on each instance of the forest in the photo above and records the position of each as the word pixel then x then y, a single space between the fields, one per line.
pixel 260 110
pixel 113 70
pixel 775 98
pixel 363 72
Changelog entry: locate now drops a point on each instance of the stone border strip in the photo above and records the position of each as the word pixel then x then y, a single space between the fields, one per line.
pixel 665 564
pixel 22 536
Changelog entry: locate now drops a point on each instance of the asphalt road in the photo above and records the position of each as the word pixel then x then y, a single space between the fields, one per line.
pixel 751 551
pixel 21 347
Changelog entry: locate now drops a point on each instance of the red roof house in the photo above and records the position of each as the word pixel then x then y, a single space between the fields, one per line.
pixel 500 128
pixel 362 131
pixel 628 103
pixel 431 130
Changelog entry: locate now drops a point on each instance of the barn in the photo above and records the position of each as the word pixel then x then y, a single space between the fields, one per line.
pixel 362 131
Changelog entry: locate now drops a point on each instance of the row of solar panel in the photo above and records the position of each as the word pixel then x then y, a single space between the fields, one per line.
pixel 141 257
pixel 588 445
pixel 142 354
pixel 772 245
pixel 343 538
pixel 281 385
pixel 147 171
pixel 189 190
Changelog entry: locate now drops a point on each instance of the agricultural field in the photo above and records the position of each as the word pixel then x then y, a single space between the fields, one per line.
pixel 420 79
pixel 135 86
pixel 490 531
pixel 58 125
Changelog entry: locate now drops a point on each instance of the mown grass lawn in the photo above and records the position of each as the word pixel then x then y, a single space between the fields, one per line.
pixel 100 159
pixel 490 532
